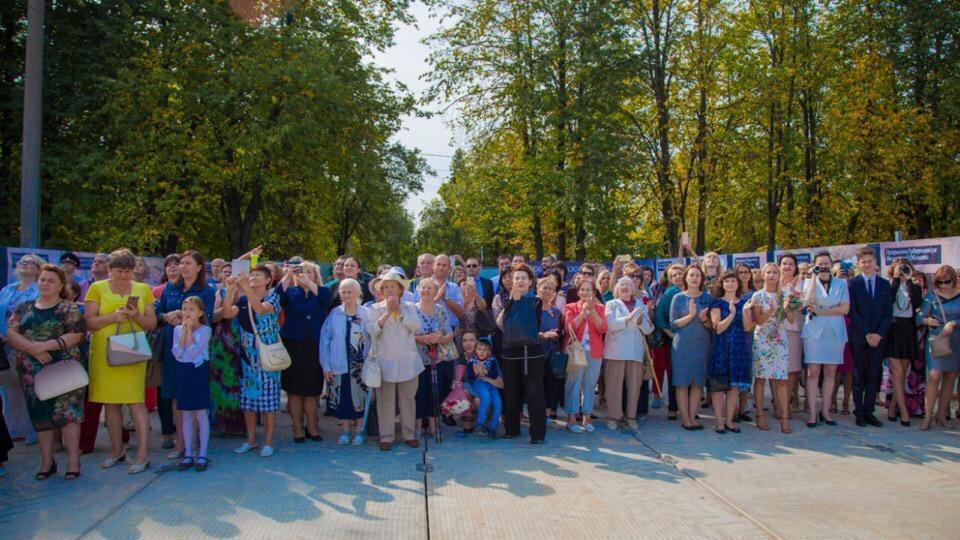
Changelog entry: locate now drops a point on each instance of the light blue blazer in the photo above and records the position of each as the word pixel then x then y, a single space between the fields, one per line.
pixel 813 327
pixel 333 339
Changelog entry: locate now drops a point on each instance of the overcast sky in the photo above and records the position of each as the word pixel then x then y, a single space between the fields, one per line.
pixel 408 59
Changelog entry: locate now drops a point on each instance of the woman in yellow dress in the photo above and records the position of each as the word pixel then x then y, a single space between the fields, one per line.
pixel 106 307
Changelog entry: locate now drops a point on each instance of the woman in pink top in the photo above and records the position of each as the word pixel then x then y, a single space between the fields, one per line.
pixel 587 319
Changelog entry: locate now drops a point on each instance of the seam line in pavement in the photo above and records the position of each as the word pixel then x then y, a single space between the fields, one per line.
pixel 157 473
pixel 670 461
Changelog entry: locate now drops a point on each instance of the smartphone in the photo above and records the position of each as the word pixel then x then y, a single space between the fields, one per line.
pixel 846 266
pixel 685 239
pixel 132 302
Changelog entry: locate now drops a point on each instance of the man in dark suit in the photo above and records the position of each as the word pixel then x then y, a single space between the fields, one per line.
pixel 484 285
pixel 870 317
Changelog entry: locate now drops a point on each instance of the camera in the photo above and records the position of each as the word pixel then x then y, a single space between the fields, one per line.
pixel 904 269
pixel 818 269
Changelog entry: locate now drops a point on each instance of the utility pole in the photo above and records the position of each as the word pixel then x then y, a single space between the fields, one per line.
pixel 32 128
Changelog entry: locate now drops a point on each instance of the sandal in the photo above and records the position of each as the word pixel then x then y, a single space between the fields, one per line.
pixel 925 425
pixel 785 426
pixel 43 475
pixel 185 463
pixel 202 463
pixel 762 422
pixel 72 475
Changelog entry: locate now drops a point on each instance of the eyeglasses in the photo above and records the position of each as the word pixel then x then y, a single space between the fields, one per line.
pixel 586 272
pixel 938 282
pixel 472 265
pixel 744 272
pixel 26 263
pixel 634 276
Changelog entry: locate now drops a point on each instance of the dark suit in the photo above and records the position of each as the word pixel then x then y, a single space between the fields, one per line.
pixel 869 314
pixel 485 289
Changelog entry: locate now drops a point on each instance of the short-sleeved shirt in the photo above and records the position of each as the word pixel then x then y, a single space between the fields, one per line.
pixel 11 297
pixel 491 365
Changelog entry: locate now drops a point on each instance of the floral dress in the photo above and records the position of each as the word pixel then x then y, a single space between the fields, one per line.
pixel 260 390
pixel 38 324
pixel 730 354
pixel 770 348
pixel 347 391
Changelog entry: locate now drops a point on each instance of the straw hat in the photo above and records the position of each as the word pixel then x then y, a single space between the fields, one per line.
pixel 391 275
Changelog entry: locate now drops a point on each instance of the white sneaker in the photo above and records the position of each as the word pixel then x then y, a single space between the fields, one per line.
pixel 612 425
pixel 575 428
pixel 344 438
pixel 244 448
pixel 632 424
pixel 266 451
pixel 589 428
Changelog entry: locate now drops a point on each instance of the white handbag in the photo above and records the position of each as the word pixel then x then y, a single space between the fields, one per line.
pixel 126 349
pixel 59 378
pixel 370 372
pixel 273 356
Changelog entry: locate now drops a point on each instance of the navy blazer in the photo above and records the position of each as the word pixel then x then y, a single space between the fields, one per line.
pixel 486 289
pixel 870 315
pixel 914 290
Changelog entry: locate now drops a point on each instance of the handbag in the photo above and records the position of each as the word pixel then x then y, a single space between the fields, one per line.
pixel 940 344
pixel 59 378
pixel 576 355
pixel 520 326
pixel 273 356
pixel 128 349
pixel 154 368
pixel 446 352
pixel 370 372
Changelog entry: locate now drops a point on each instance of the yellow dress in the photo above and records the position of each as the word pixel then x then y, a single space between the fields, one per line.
pixel 121 384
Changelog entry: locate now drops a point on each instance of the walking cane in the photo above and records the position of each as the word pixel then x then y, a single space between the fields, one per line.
pixel 653 369
pixel 435 391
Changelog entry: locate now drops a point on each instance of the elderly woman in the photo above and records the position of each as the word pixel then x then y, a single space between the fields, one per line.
pixel 587 323
pixel 305 306
pixel 435 331
pixel 45 331
pixel 115 305
pixel 190 280
pixel 940 313
pixel 23 290
pixel 393 326
pixel 628 320
pixel 260 388
pixel 344 344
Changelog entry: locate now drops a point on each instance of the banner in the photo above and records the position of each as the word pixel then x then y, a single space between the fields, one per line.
pixel 52 256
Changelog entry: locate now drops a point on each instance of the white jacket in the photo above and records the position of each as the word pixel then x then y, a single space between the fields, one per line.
pixel 624 340
pixel 394 345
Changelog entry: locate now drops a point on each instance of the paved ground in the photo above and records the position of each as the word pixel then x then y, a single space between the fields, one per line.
pixel 662 482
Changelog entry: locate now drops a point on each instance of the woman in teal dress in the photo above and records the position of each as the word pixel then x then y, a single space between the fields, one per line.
pixel 43 332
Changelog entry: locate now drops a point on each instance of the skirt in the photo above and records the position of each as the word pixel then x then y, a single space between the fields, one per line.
pixel 795 348
pixel 193 386
pixel 345 408
pixel 826 349
pixel 304 377
pixel 902 339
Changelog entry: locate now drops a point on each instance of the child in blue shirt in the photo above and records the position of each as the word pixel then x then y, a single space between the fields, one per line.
pixel 485 380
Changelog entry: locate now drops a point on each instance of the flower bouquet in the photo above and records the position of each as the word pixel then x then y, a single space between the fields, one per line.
pixel 456 403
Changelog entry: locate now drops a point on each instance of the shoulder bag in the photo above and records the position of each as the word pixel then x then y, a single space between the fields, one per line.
pixel 576 355
pixel 273 356
pixel 940 344
pixel 59 378
pixel 127 349
pixel 446 352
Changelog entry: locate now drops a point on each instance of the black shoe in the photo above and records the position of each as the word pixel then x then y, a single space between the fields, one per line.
pixel 873 421
pixel 43 475
pixel 314 438
pixel 737 417
pixel 299 440
pixel 861 422
pixel 536 441
pixel 185 463
pixel 811 424
pixel 827 422
pixel 733 429
pixel 905 423
pixel 689 428
pixel 72 475
pixel 202 464
pixel 720 431
pixel 746 417
pixel 891 419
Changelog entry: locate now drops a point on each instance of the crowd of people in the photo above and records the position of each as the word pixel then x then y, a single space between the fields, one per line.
pixel 450 347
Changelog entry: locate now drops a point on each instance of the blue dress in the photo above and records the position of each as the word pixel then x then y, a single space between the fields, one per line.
pixel 950 312
pixel 690 349
pixel 730 363
pixel 171 300
pixel 260 390
pixel 192 370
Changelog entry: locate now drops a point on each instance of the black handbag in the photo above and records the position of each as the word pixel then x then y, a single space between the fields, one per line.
pixel 558 363
pixel 520 325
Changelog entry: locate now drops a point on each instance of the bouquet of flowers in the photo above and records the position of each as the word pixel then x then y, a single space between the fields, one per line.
pixel 456 403
pixel 794 301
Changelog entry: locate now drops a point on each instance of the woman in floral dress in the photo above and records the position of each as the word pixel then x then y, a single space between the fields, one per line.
pixel 771 351
pixel 42 332
pixel 225 371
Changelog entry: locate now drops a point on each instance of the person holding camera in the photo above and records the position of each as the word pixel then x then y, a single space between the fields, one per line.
pixel 870 317
pixel 940 313
pixel 902 346
pixel 824 334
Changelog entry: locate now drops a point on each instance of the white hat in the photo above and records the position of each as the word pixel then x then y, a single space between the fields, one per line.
pixel 391 275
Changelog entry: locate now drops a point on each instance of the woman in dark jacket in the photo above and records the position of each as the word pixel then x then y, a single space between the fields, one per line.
pixel 523 364
pixel 902 345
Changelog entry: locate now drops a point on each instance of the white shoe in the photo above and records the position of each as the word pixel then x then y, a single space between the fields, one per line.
pixel 138 468
pixel 113 461
pixel 575 428
pixel 612 425
pixel 344 438
pixel 589 428
pixel 266 451
pixel 244 448
pixel 632 424
pixel 175 454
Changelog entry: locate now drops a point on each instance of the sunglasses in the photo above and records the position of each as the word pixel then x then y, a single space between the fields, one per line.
pixel 472 265
pixel 634 276
pixel 938 282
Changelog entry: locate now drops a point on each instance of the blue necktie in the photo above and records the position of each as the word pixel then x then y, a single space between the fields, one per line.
pixel 870 287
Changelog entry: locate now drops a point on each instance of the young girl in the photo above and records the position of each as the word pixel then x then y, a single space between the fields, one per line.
pixel 468 341
pixel 191 349
pixel 484 375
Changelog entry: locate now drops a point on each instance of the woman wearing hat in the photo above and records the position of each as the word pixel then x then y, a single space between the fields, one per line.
pixel 393 326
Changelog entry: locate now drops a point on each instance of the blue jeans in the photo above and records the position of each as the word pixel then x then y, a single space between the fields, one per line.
pixel 583 381
pixel 489 399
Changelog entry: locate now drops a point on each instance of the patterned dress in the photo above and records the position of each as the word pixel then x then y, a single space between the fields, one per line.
pixel 41 325
pixel 770 349
pixel 260 390
pixel 730 355
pixel 347 392
pixel 226 374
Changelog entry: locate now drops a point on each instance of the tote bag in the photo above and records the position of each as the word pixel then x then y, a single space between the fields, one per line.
pixel 127 349
pixel 273 356
pixel 576 355
pixel 58 378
